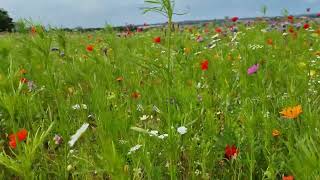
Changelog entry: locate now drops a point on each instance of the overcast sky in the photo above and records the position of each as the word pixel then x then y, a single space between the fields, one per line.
pixel 96 13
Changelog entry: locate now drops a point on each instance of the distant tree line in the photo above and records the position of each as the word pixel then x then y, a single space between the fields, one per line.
pixel 6 22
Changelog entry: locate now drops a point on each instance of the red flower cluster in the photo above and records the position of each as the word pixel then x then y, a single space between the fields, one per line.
pixel 20 135
pixel 157 40
pixel 24 80
pixel 306 26
pixel 291 30
pixel 204 65
pixel 234 19
pixel 231 152
pixel 290 18
pixel 218 30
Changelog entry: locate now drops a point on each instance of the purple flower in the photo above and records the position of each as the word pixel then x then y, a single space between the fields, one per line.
pixel 253 69
pixel 57 139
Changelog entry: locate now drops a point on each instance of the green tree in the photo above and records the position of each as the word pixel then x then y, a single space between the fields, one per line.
pixel 6 23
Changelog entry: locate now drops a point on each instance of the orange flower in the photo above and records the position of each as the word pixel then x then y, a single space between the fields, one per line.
pixel 270 42
pixel 135 95
pixel 291 112
pixel 33 30
pixel 275 133
pixel 287 178
pixel 23 71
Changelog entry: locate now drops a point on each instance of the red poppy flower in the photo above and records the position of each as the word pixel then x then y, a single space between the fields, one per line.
pixel 22 134
pixel 204 65
pixel 287 178
pixel 157 40
pixel 218 30
pixel 291 30
pixel 13 144
pixel 290 18
pixel 270 42
pixel 234 19
pixel 231 152
pixel 90 48
pixel 24 80
pixel 306 26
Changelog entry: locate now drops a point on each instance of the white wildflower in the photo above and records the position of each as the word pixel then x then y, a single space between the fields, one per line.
pixel 163 136
pixel 182 130
pixel 156 109
pixel 153 133
pixel 76 107
pixel 144 117
pixel 84 106
pixel 134 148
pixel 140 108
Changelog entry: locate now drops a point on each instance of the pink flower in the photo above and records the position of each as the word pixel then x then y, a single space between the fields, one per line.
pixel 199 39
pixel 253 69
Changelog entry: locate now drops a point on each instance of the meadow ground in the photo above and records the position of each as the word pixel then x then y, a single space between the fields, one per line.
pixel 238 102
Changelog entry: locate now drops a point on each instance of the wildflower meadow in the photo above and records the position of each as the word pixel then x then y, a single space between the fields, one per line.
pixel 232 100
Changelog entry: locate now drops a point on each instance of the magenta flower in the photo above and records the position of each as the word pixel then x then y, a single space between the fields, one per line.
pixel 253 69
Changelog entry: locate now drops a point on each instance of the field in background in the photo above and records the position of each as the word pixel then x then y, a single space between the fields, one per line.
pixel 227 87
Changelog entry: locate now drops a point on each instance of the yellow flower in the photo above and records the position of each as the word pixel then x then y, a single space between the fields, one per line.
pixel 275 133
pixel 291 112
